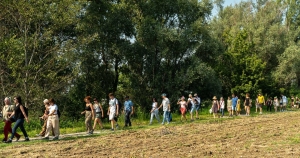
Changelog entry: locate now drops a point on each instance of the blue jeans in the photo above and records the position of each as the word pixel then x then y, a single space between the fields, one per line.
pixel 127 118
pixel 166 117
pixel 222 111
pixel 19 123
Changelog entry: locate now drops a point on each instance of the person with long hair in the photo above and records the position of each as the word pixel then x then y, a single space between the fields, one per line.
pixel 19 115
pixel 183 107
pixel 222 106
pixel 6 112
pixel 53 120
pixel 154 111
pixel 98 114
pixel 89 114
pixel 247 104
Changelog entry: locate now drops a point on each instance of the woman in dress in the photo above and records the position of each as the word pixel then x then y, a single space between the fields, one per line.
pixel 98 114
pixel 215 106
pixel 229 106
pixel 19 115
pixel 238 107
pixel 154 111
pixel 89 114
pixel 183 107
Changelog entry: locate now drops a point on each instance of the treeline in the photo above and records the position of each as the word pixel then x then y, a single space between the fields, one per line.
pixel 142 48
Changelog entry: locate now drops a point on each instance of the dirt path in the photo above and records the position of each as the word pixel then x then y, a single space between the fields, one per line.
pixel 274 135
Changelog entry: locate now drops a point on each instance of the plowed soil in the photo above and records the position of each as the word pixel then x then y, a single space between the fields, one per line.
pixel 272 135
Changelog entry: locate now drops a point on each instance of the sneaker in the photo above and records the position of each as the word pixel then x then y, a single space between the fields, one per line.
pixel 8 141
pixel 4 140
pixel 18 138
pixel 92 131
pixel 112 129
pixel 45 138
pixel 26 139
pixel 55 138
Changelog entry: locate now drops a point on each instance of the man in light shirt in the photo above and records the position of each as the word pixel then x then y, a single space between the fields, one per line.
pixel 166 108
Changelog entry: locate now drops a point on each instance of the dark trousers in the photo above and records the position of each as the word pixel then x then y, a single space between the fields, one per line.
pixel 269 107
pixel 127 118
pixel 7 129
pixel 19 123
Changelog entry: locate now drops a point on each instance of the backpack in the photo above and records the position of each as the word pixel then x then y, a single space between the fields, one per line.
pixel 58 114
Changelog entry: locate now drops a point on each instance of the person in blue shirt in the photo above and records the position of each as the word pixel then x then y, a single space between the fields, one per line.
pixel 234 103
pixel 128 110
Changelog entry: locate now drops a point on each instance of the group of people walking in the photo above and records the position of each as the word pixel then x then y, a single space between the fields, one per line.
pixel 234 104
pixel 14 113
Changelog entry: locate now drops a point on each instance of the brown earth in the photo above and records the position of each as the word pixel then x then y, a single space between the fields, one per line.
pixel 273 135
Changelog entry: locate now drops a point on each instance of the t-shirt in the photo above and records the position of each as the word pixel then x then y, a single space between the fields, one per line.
pixel 7 109
pixel 198 100
pixel 182 104
pixel 97 108
pixel 261 99
pixel 229 103
pixel 154 105
pixel 234 101
pixel 127 105
pixel 165 104
pixel 52 108
pixel 284 99
pixel 222 104
pixel 113 105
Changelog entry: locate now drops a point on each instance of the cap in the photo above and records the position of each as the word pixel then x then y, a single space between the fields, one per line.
pixel 164 94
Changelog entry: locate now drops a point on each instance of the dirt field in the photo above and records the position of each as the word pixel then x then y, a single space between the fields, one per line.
pixel 273 135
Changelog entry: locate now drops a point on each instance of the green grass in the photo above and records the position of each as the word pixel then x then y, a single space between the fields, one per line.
pixel 139 122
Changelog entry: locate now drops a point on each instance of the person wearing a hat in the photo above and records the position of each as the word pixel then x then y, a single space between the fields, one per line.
pixel 45 119
pixel 215 106
pixel 198 103
pixel 166 108
pixel 276 103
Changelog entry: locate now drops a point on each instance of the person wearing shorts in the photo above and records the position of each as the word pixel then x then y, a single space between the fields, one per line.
pixel 113 110
pixel 183 105
pixel 198 104
pixel 284 102
pixel 234 101
pixel 261 102
pixel 229 106
pixel 98 114
pixel 247 104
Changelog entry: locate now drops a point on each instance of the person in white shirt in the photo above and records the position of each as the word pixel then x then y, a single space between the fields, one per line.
pixel 222 106
pixel 166 108
pixel 53 120
pixel 113 110
pixel 98 114
pixel 154 111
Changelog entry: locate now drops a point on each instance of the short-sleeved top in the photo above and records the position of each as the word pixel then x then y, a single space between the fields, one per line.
pixel 113 104
pixel 97 108
pixel 234 101
pixel 18 113
pixel 261 99
pixel 6 109
pixel 229 103
pixel 165 104
pixel 127 105
pixel 154 105
pixel 52 108
pixel 198 100
pixel 284 99
pixel 222 104
pixel 182 104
